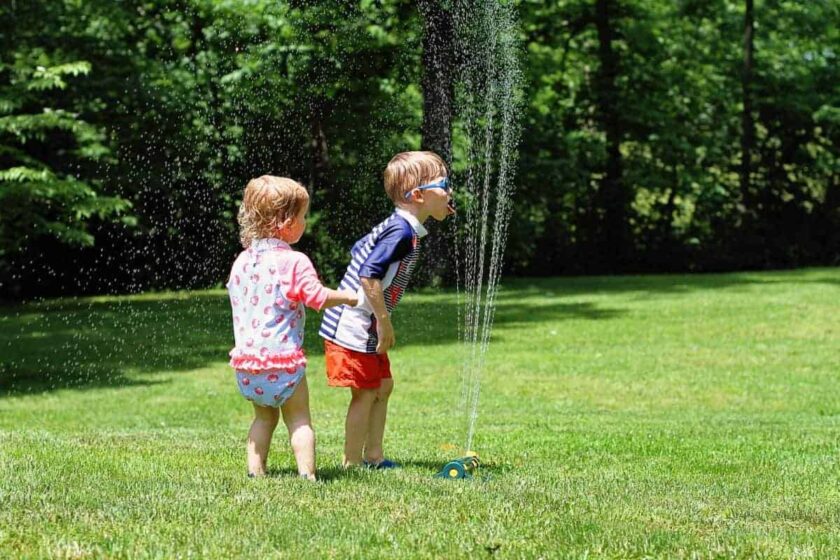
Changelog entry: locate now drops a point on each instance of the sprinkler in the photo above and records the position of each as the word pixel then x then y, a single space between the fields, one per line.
pixel 464 467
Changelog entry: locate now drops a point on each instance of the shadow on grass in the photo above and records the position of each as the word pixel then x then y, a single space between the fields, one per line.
pixel 90 343
pixel 325 474
pixel 665 284
pixel 337 473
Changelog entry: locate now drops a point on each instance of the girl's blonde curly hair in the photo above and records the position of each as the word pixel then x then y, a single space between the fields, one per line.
pixel 268 202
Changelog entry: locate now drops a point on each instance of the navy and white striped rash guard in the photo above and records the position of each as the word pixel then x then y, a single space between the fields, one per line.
pixel 388 253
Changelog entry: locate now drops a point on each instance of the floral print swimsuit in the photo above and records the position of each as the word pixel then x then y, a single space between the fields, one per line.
pixel 269 285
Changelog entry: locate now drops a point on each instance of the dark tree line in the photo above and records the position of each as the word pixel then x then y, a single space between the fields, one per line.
pixel 679 136
pixel 657 136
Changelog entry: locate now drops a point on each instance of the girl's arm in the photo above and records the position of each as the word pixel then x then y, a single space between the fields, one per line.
pixel 305 287
pixel 339 297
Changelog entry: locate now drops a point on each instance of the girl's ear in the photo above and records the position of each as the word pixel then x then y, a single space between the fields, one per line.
pixel 283 227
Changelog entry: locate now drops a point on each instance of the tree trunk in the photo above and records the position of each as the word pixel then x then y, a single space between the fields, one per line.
pixel 437 82
pixel 747 123
pixel 438 108
pixel 319 164
pixel 612 201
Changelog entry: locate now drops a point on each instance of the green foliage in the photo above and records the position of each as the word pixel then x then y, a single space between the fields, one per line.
pixel 680 96
pixel 181 102
pixel 39 193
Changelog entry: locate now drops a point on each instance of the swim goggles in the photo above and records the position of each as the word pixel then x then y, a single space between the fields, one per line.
pixel 442 184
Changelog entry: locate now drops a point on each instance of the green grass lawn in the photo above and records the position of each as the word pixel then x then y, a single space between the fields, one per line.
pixel 634 417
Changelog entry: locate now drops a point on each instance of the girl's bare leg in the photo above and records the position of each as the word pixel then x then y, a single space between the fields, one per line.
pixel 259 438
pixel 301 435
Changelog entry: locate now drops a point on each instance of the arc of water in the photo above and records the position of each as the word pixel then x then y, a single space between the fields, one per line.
pixel 490 83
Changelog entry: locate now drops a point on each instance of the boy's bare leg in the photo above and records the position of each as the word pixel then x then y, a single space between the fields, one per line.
pixel 357 423
pixel 301 435
pixel 376 425
pixel 259 438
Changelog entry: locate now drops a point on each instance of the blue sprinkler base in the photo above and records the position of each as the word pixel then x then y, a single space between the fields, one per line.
pixel 461 468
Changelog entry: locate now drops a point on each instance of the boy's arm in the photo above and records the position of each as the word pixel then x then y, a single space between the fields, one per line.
pixel 376 298
pixel 393 244
pixel 339 297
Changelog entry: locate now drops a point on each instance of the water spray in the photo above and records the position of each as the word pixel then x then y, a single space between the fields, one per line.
pixel 488 102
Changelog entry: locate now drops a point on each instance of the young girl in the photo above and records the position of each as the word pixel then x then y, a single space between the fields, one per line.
pixel 268 286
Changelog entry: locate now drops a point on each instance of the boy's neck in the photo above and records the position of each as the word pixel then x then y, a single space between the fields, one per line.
pixel 414 211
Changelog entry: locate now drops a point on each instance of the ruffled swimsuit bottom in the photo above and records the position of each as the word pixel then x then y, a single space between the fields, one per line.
pixel 268 380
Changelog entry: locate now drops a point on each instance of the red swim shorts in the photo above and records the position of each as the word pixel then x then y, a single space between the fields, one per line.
pixel 349 368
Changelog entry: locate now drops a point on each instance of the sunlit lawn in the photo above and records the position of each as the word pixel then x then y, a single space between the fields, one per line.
pixel 659 416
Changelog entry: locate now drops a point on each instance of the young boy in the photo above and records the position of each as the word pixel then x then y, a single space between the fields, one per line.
pixel 357 338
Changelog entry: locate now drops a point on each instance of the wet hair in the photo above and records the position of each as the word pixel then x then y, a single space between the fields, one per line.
pixel 409 170
pixel 267 203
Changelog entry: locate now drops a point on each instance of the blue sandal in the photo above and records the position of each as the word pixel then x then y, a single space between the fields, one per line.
pixel 381 465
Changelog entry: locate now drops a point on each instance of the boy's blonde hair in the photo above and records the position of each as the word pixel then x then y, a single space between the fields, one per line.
pixel 268 202
pixel 409 170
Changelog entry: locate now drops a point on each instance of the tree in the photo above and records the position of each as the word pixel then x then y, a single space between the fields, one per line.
pixel 44 188
pixel 438 81
pixel 613 199
pixel 747 124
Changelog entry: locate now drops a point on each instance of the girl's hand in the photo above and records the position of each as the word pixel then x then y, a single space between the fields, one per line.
pixel 351 297
pixel 340 297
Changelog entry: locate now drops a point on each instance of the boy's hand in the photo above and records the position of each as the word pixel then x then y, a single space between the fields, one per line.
pixel 385 334
pixel 372 288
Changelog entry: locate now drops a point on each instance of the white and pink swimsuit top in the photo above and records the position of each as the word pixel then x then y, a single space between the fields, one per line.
pixel 269 285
